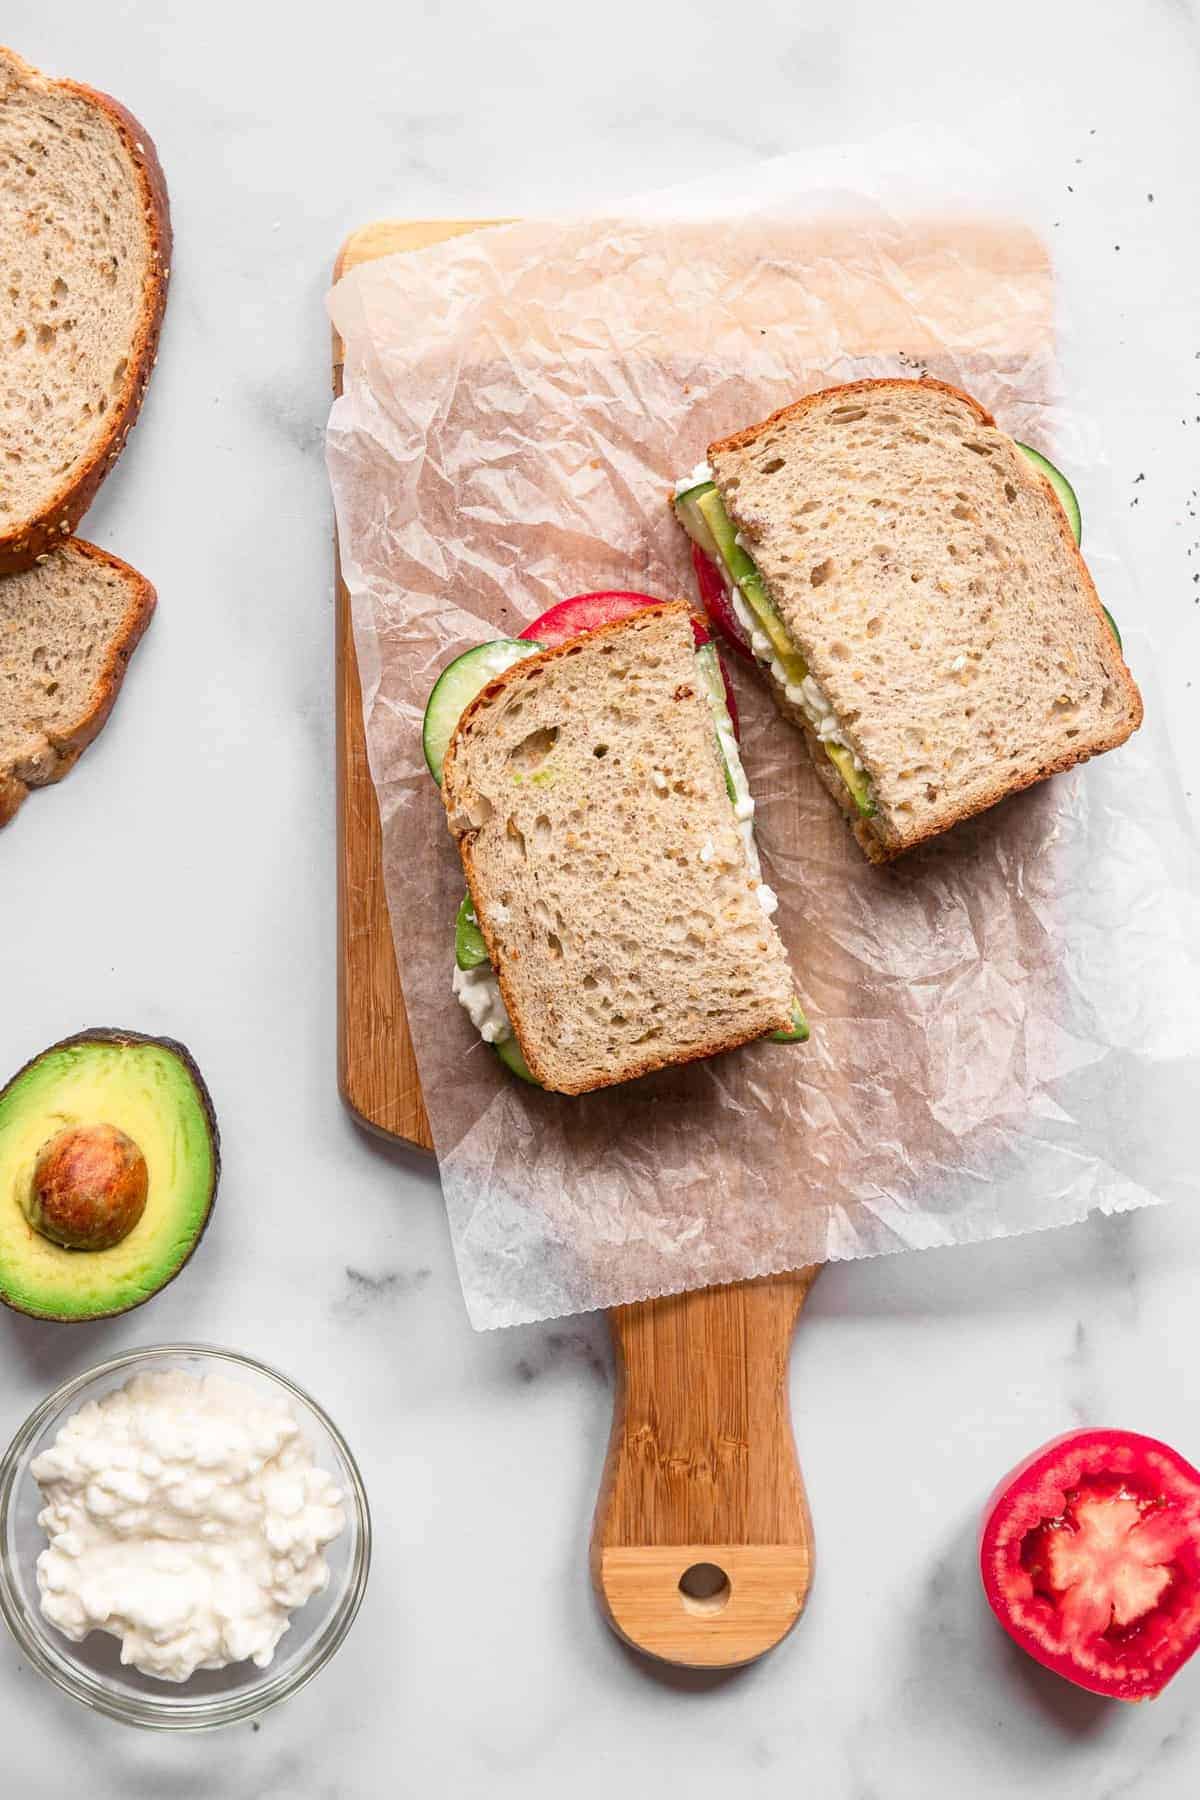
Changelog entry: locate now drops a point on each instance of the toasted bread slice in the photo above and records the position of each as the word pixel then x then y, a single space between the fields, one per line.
pixel 928 575
pixel 67 630
pixel 85 237
pixel 587 792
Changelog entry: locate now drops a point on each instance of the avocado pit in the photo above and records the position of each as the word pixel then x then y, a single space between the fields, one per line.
pixel 89 1187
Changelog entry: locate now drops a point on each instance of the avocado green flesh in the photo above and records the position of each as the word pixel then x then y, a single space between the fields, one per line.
pixel 857 780
pixel 687 511
pixel 469 947
pixel 742 570
pixel 798 1034
pixel 146 1091
pixel 706 503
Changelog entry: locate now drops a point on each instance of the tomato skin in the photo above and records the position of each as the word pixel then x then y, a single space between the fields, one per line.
pixel 717 605
pixel 1029 1503
pixel 587 612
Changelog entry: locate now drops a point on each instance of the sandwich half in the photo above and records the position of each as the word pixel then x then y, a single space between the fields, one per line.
pixel 911 578
pixel 605 830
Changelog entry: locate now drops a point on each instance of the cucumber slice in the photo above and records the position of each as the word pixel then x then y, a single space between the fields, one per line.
pixel 1070 505
pixel 687 511
pixel 509 1052
pixel 457 686
pixel 799 1029
pixel 469 947
pixel 857 780
pixel 1061 486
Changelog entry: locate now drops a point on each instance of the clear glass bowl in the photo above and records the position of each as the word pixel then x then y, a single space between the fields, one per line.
pixel 92 1671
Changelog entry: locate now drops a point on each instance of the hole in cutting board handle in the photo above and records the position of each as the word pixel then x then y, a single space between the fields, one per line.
pixel 704 1588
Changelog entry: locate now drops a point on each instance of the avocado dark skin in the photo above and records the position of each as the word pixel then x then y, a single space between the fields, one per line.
pixel 93 1174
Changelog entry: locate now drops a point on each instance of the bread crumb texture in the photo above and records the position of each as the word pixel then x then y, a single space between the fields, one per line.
pixel 928 574
pixel 585 786
pixel 67 630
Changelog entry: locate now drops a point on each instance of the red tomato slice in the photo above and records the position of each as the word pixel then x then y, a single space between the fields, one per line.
pixel 715 596
pixel 587 612
pixel 1090 1557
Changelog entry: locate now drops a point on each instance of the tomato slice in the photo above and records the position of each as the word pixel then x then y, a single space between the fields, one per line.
pixel 1090 1557
pixel 715 596
pixel 587 612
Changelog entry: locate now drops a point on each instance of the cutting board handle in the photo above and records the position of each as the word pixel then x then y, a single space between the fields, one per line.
pixel 702 1543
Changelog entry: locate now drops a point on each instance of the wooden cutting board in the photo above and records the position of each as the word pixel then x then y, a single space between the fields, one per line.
pixel 702 1547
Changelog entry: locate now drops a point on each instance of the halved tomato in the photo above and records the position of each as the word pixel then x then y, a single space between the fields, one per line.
pixel 717 605
pixel 587 612
pixel 1090 1557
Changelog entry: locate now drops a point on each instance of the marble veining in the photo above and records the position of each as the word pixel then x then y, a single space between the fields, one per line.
pixel 479 1669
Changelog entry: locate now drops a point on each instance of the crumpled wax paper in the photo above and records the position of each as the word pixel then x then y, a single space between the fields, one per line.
pixel 1005 1028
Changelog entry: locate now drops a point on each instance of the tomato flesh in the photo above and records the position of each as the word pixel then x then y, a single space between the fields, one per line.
pixel 587 612
pixel 717 604
pixel 1090 1557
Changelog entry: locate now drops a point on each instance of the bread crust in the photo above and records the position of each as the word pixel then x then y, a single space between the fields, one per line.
pixel 452 797
pixel 25 543
pixel 64 750
pixel 881 844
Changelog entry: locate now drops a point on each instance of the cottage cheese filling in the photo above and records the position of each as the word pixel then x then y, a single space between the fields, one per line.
pixel 478 991
pixel 808 695
pixel 186 1517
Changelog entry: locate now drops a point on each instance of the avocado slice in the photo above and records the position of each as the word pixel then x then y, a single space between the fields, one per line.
pixel 469 947
pixel 741 568
pixel 687 511
pixel 798 1030
pixel 857 780
pixel 109 1159
pixel 702 513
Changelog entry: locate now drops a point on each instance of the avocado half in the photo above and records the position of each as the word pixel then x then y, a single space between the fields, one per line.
pixel 99 1087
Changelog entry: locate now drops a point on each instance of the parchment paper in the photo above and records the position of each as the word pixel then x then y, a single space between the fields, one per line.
pixel 1004 1025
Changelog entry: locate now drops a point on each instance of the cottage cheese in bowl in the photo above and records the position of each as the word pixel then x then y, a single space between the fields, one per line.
pixel 186 1517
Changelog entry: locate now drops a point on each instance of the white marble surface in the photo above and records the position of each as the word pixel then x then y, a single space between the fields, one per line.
pixel 182 881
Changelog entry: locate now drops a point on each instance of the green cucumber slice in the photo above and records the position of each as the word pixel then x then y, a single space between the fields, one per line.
pixel 857 780
pixel 457 686
pixel 1070 505
pixel 799 1028
pixel 509 1052
pixel 1061 486
pixel 687 511
pixel 469 947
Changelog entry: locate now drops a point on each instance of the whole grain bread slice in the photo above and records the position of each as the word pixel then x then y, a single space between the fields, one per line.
pixel 67 631
pixel 587 793
pixel 85 243
pixel 928 574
